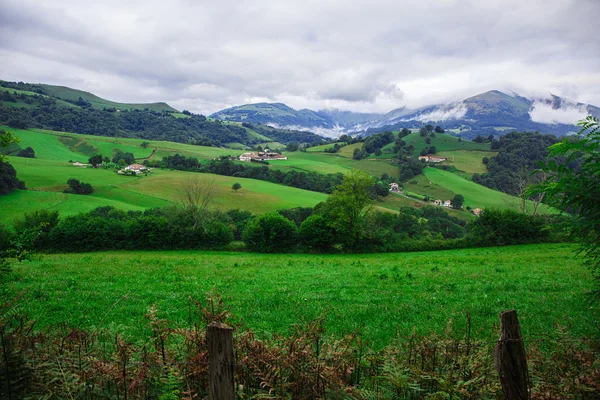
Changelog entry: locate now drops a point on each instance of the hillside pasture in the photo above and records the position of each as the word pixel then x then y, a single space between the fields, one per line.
pixel 46 180
pixel 422 185
pixel 323 147
pixel 380 296
pixel 443 142
pixel 476 196
pixel 467 160
pixel 97 102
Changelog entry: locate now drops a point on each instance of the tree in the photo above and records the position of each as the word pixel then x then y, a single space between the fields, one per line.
pixel 423 132
pixel 292 146
pixel 78 187
pixel 438 129
pixel 458 201
pixel 236 186
pixel 95 160
pixel 127 158
pixel 26 152
pixel 270 233
pixel 346 207
pixel 316 233
pixel 144 145
pixel 195 197
pixel 8 175
pixel 574 184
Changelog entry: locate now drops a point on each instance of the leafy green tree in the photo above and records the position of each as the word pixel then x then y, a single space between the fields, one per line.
pixel 8 175
pixel 458 201
pixel 292 146
pixel 78 187
pixel 438 129
pixel 317 234
pixel 270 233
pixel 346 207
pixel 574 184
pixel 145 145
pixel 236 186
pixel 27 152
pixel 423 132
pixel 95 159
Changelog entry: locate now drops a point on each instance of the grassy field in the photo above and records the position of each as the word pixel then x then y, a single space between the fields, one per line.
pixel 422 185
pixel 47 179
pixel 467 160
pixel 379 295
pixel 476 196
pixel 323 147
pixel 443 142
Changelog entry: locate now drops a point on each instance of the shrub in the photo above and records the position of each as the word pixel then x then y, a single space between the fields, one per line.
pixel 26 152
pixel 78 187
pixel 270 233
pixel 503 227
pixel 316 234
pixel 239 220
pixel 34 228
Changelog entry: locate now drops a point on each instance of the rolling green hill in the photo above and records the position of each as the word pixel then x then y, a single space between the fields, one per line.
pixel 65 109
pixel 276 113
pixel 467 160
pixel 476 196
pixel 67 93
pixel 46 180
pixel 443 142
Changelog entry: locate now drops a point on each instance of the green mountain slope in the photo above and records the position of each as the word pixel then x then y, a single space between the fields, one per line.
pixel 67 93
pixel 58 108
pixel 272 113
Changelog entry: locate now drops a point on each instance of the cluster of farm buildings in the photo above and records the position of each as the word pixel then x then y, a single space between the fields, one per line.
pixel 265 155
pixel 130 169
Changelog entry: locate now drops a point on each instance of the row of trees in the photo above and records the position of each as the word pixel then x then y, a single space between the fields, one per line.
pixel 224 166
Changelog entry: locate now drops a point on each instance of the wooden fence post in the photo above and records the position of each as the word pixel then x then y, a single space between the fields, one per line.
pixel 219 338
pixel 509 355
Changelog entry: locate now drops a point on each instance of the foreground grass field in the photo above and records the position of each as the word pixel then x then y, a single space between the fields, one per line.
pixel 379 295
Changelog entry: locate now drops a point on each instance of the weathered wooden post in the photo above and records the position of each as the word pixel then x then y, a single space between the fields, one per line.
pixel 219 338
pixel 509 355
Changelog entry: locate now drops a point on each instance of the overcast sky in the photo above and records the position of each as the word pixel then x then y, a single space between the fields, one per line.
pixel 359 55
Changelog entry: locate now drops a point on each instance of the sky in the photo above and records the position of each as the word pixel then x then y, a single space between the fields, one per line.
pixel 357 55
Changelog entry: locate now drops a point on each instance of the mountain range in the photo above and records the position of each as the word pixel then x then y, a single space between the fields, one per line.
pixel 490 112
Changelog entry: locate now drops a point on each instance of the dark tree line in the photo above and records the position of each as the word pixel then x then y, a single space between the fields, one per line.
pixel 518 155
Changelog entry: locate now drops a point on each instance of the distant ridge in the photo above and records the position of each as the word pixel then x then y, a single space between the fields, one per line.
pixel 492 112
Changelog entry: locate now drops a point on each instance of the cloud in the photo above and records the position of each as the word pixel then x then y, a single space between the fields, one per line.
pixel 567 113
pixel 452 111
pixel 360 56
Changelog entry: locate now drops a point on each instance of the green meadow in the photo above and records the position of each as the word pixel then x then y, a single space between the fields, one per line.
pixel 443 142
pixel 46 180
pixel 379 295
pixel 467 160
pixel 476 196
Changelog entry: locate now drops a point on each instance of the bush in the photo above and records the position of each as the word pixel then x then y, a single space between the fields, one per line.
pixel 34 228
pixel 239 220
pixel 78 187
pixel 316 234
pixel 27 153
pixel 8 179
pixel 503 227
pixel 270 233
